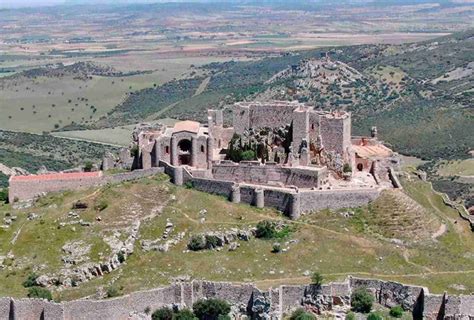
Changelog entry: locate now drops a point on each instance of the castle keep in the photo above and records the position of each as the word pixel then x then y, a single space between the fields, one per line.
pixel 301 158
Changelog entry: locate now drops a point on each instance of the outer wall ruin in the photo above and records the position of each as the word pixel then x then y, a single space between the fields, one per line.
pixel 247 299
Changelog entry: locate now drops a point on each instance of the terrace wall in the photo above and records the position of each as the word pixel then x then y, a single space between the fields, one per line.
pixel 275 302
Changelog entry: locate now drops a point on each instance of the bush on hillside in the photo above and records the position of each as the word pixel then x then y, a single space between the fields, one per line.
pixel 374 316
pixel 30 281
pixel 211 309
pixel 265 230
pixel 301 314
pixel 112 292
pixel 197 243
pixel 317 279
pixel 4 195
pixel 41 293
pixel 351 316
pixel 362 300
pixel 184 314
pixel 396 312
pixel 248 155
pixel 164 313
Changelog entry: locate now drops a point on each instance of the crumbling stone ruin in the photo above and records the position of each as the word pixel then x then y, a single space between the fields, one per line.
pixel 283 154
pixel 247 301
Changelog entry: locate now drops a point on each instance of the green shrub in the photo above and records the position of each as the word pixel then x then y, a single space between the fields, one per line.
pixel 396 312
pixel 38 292
pixel 347 168
pixel 31 280
pixel 351 316
pixel 265 230
pixel 164 313
pixel 112 291
pixel 276 248
pixel 248 155
pixel 317 279
pixel 88 166
pixel 301 314
pixel 197 243
pixel 120 257
pixel 224 317
pixel 4 195
pixel 184 314
pixel 211 241
pixel 211 309
pixel 189 185
pixel 374 316
pixel 362 300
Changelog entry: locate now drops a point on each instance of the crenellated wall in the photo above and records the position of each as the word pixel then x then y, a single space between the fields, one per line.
pixel 248 299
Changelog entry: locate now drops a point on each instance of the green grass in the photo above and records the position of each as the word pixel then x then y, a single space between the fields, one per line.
pixel 324 242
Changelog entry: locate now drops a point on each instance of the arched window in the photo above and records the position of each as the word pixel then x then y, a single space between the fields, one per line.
pixel 202 148
pixel 360 167
pixel 312 126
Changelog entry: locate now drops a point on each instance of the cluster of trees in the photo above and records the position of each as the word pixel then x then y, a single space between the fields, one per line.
pixel 210 309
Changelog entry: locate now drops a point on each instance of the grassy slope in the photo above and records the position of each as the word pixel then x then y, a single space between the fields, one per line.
pixel 325 241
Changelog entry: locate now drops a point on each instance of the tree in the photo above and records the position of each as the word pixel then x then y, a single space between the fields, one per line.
pixel 317 279
pixel 4 195
pixel 164 313
pixel 41 293
pixel 197 243
pixel 184 314
pixel 350 316
pixel 362 300
pixel 211 309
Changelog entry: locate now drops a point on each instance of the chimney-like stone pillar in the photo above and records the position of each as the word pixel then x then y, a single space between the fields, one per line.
pixel 174 151
pixel 210 151
pixel 194 151
pixel 259 198
pixel 235 194
pixel 295 207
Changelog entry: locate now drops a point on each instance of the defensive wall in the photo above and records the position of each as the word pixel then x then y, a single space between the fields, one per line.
pixel 270 173
pixel 247 299
pixel 23 188
pixel 291 201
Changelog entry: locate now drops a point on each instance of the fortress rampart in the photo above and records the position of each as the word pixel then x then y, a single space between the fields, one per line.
pixel 23 188
pixel 247 299
pixel 291 201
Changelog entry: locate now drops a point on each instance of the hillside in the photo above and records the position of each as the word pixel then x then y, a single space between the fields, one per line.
pixel 419 95
pixel 152 221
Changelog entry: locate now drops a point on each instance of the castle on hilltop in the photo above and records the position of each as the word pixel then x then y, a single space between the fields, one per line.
pixel 283 154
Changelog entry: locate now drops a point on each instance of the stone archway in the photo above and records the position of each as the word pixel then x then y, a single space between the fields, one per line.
pixel 360 167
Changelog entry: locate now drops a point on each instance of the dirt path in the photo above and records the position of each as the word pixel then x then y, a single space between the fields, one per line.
pixel 202 86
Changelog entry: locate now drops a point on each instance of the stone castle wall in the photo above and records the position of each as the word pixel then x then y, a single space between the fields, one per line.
pixel 22 190
pixel 275 302
pixel 254 172
pixel 291 202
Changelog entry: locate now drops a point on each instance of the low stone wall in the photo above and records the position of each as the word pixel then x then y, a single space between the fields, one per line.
pixel 23 188
pixel 247 299
pixel 314 200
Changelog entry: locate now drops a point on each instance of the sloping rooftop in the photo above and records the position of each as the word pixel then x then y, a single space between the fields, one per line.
pixel 188 125
pixel 375 151
pixel 58 176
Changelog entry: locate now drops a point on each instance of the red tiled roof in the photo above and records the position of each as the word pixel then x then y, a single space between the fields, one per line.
pixel 188 125
pixel 58 176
